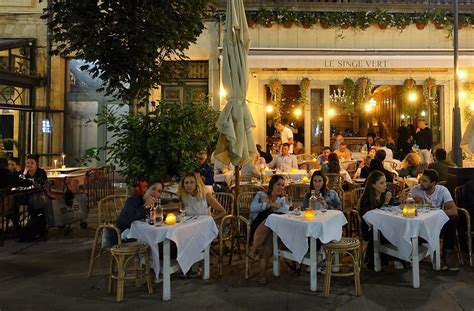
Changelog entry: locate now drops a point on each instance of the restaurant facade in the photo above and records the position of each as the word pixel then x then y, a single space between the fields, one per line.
pixel 324 79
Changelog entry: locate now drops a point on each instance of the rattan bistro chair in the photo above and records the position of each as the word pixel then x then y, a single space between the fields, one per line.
pixel 334 180
pixel 297 193
pixel 109 211
pixel 122 256
pixel 243 212
pixel 459 199
pixel 350 246
pixel 354 217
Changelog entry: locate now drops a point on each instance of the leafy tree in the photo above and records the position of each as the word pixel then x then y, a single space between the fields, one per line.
pixel 127 42
pixel 162 144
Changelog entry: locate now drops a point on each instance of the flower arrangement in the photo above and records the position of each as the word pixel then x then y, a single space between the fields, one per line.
pixel 358 19
pixel 429 89
pixel 304 91
pixel 276 91
pixel 363 90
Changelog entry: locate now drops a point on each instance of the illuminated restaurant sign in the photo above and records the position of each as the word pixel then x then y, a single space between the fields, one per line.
pixel 352 63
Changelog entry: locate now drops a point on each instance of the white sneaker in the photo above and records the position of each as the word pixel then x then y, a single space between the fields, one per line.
pixel 398 265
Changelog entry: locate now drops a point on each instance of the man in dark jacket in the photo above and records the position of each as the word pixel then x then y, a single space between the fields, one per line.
pixel 9 180
pixel 424 140
pixel 441 165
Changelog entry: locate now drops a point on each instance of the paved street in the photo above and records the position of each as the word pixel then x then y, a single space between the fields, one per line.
pixel 51 275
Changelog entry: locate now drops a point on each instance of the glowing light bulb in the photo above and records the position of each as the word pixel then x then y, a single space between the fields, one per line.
pixel 423 113
pixel 320 119
pixel 412 96
pixel 462 94
pixel 222 92
pixel 368 107
pixel 462 74
pixel 402 116
pixel 332 112
pixel 269 108
pixel 298 112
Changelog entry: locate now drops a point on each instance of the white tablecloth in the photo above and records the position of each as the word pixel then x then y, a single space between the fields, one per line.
pixel 295 175
pixel 399 230
pixel 294 231
pixel 191 238
pixel 359 156
pixel 227 177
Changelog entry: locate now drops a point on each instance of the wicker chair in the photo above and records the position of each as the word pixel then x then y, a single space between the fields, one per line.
pixel 109 210
pixel 122 255
pixel 297 193
pixel 166 194
pixel 334 180
pixel 394 189
pixel 354 217
pixel 303 158
pixel 340 193
pixel 243 212
pixel 228 230
pixel 350 246
pixel 350 166
pixel 458 198
pixel 308 165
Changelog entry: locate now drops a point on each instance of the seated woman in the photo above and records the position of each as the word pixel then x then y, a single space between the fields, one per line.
pixel 334 167
pixel 196 198
pixel 33 171
pixel 372 152
pixel 138 205
pixel 264 204
pixel 375 196
pixel 377 165
pixel 330 198
pixel 364 168
pixel 411 166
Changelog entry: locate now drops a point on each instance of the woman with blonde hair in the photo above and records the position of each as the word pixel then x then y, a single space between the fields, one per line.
pixel 411 166
pixel 196 198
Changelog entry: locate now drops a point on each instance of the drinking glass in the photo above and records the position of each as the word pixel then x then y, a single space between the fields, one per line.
pixel 288 201
pixel 182 211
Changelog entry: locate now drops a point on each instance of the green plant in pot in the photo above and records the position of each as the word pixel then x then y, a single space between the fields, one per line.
pixel 383 18
pixel 286 18
pixel 160 145
pixel 421 19
pixel 307 19
pixel 265 17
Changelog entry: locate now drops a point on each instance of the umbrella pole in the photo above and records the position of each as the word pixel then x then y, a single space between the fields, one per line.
pixel 237 189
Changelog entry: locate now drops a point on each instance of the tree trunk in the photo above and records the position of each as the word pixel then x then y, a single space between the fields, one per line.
pixel 132 105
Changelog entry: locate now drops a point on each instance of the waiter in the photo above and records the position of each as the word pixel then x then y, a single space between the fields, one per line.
pixel 424 140
pixel 286 134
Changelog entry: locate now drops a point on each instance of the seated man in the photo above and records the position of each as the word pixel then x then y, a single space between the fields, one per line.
pixel 206 171
pixel 9 180
pixel 323 157
pixel 284 161
pixel 343 153
pixel 440 165
pixel 14 166
pixel 380 145
pixel 427 191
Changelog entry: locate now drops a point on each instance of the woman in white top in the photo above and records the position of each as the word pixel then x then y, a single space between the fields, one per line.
pixel 196 198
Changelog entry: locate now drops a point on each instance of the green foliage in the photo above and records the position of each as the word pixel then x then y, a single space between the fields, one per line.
pixel 160 145
pixel 127 43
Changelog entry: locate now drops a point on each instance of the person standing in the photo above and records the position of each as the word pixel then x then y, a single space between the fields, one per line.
pixel 286 134
pixel 424 140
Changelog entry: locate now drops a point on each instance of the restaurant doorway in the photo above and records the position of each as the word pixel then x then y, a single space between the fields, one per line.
pixel 292 113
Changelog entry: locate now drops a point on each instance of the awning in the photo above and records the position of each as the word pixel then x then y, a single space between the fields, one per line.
pixel 13 43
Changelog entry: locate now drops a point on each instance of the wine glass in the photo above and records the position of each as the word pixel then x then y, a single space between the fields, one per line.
pixel 288 201
pixel 182 211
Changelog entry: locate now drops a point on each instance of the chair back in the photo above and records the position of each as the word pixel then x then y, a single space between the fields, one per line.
pixel 243 204
pixel 356 195
pixel 350 166
pixel 226 200
pixel 340 193
pixel 303 158
pixel 110 207
pixel 393 164
pixel 394 188
pixel 308 165
pixel 249 188
pixel 297 193
pixel 334 180
pixel 166 194
pixel 458 196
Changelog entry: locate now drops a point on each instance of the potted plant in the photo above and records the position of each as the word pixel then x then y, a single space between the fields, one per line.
pixel 363 20
pixel 250 18
pixel 401 21
pixel 265 17
pixel 383 18
pixel 307 19
pixel 440 19
pixel 325 19
pixel 286 18
pixel 421 19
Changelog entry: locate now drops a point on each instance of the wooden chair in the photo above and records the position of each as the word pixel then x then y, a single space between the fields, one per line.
pixel 351 247
pixel 297 193
pixel 227 228
pixel 243 212
pixel 350 166
pixel 354 218
pixel 249 188
pixel 394 189
pixel 340 193
pixel 303 158
pixel 442 183
pixel 122 255
pixel 109 211
pixel 334 180
pixel 458 198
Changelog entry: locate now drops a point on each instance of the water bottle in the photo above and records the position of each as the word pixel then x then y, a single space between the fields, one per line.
pixel 410 200
pixel 313 201
pixel 158 212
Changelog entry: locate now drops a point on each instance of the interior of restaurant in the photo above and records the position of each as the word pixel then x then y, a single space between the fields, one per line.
pixel 381 114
